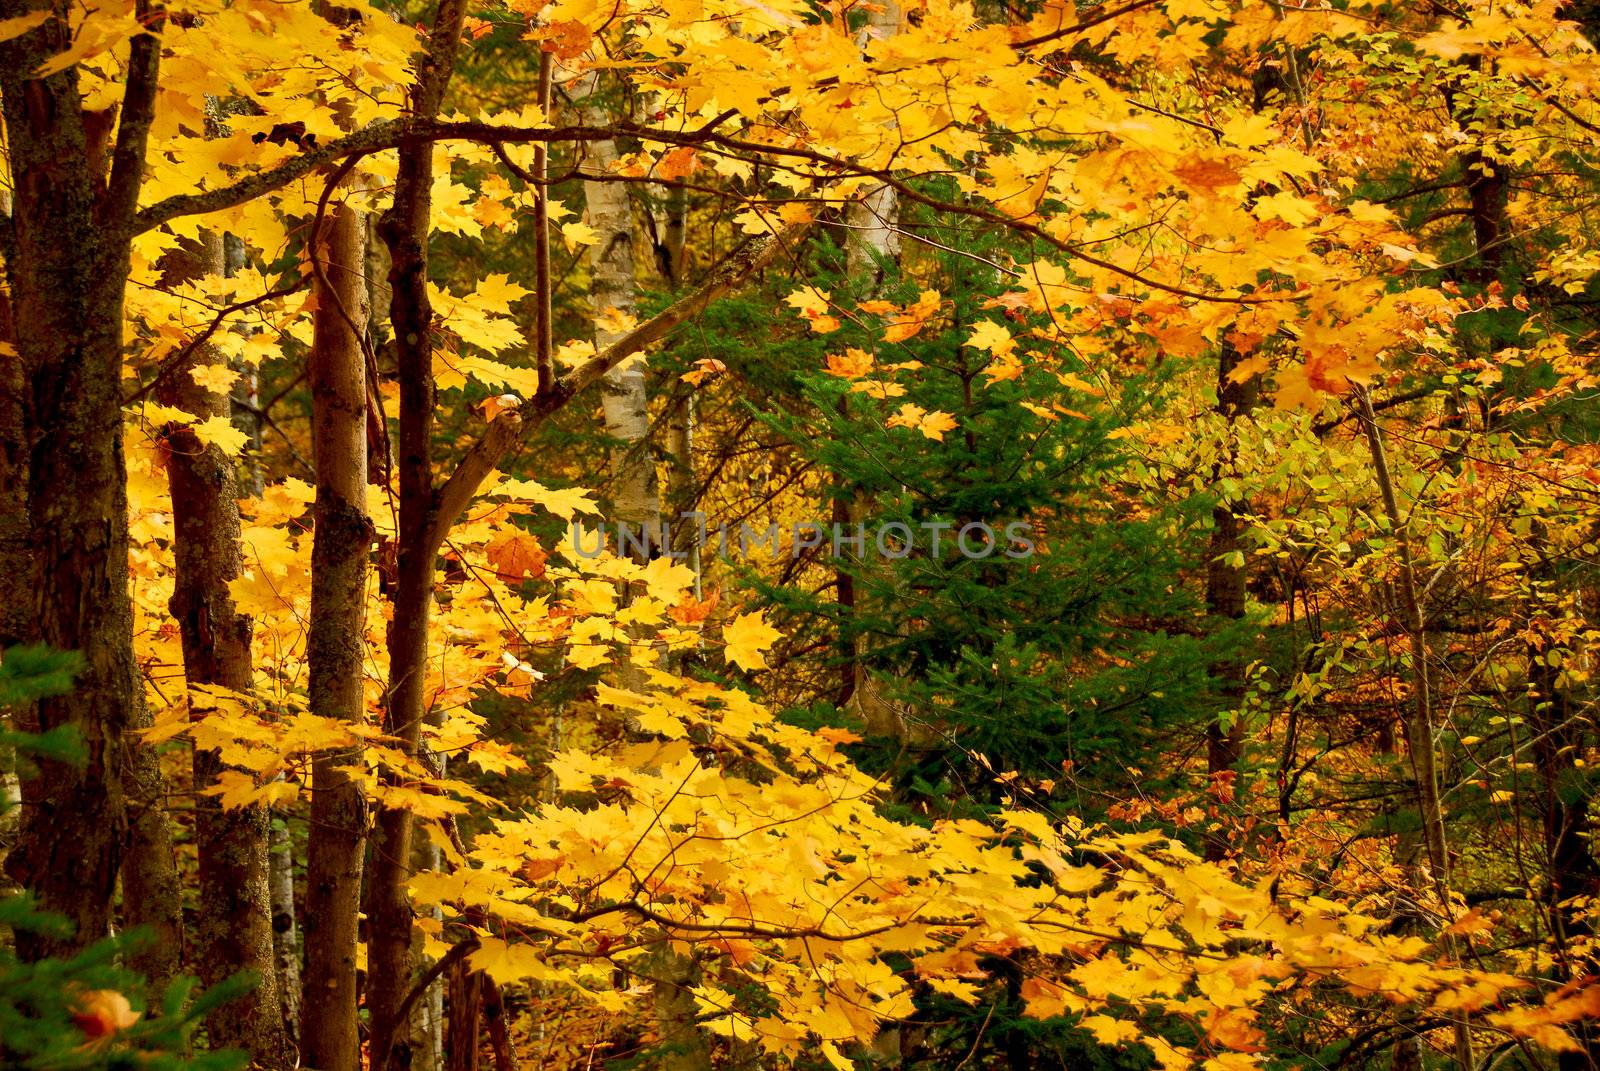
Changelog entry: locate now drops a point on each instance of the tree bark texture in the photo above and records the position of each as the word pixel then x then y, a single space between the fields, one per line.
pixel 624 393
pixel 404 230
pixel 67 265
pixel 343 534
pixel 234 910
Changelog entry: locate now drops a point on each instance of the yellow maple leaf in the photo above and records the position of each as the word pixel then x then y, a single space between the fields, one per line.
pixel 666 579
pixel 563 502
pixel 1248 369
pixel 220 432
pixel 1004 367
pixel 932 425
pixel 852 364
pixel 1109 1031
pixel 878 388
pixel 578 233
pixel 1295 391
pixel 812 303
pixel 507 963
pixel 988 335
pixel 496 292
pixel 838 1059
pixel 216 378
pixel 747 636
pixel 913 317
pixel 157 413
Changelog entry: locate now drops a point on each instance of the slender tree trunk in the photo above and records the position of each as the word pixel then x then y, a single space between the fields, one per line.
pixel 1419 726
pixel 494 1014
pixel 329 1039
pixel 405 229
pixel 67 265
pixel 1225 596
pixel 285 935
pixel 427 1014
pixel 15 558
pixel 234 918
pixel 466 1016
pixel 669 217
pixel 613 289
pixel 1573 876
pixel 625 397
pixel 245 410
pixel 682 487
pixel 872 244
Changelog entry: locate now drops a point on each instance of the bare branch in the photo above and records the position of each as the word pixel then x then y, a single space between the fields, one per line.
pixel 121 196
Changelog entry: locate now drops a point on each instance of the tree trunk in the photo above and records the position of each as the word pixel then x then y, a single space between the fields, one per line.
pixel 234 925
pixel 625 396
pixel 67 267
pixel 1559 737
pixel 405 229
pixel 494 1013
pixel 152 899
pixel 15 558
pixel 1225 598
pixel 466 1016
pixel 245 408
pixel 1419 726
pixel 427 1014
pixel 329 1039
pixel 285 935
pixel 872 243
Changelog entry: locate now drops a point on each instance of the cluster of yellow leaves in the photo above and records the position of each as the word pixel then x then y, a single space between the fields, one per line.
pixel 587 604
pixel 1235 208
pixel 269 753
pixel 932 425
pixel 756 847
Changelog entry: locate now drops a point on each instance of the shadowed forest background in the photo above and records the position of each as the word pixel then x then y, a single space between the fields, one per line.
pixel 1112 498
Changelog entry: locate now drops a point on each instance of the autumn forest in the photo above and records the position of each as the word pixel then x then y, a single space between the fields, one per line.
pixel 847 535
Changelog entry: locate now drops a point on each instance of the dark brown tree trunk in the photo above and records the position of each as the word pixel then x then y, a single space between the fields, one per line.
pixel 343 535
pixel 404 229
pixel 494 1014
pixel 67 264
pixel 465 989
pixel 15 557
pixel 1563 806
pixel 16 560
pixel 1225 597
pixel 234 910
pixel 152 899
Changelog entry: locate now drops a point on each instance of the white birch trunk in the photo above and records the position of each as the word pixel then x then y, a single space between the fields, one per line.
pixel 872 242
pixel 612 286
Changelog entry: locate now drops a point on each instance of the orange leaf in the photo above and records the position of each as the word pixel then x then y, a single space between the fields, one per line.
pixel 516 554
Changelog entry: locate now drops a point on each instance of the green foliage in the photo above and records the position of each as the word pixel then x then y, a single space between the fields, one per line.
pixel 1053 647
pixel 28 674
pixel 42 1008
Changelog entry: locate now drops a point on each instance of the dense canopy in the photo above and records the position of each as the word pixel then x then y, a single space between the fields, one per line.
pixel 696 534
